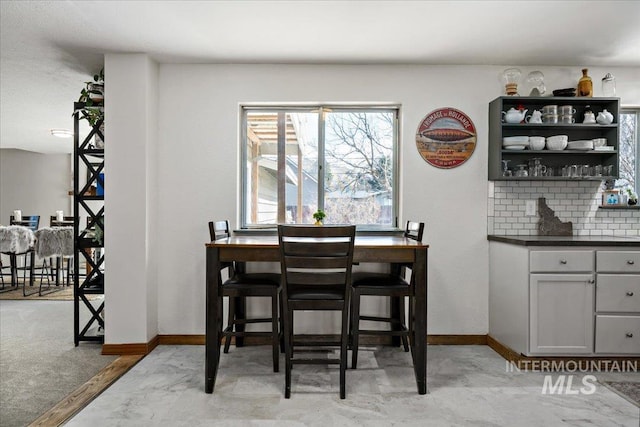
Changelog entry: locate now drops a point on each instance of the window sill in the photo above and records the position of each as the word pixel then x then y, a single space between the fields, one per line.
pixel 360 230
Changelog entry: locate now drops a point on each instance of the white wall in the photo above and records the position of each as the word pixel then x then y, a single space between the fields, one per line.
pixel 130 198
pixel 197 179
pixel 37 184
pixel 198 156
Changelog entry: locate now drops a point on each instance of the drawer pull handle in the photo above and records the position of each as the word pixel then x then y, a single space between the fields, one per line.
pixel 629 294
pixel 630 262
pixel 629 335
pixel 563 261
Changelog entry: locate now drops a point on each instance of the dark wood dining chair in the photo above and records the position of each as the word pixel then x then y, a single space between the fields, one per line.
pixel 32 222
pixel 240 285
pixel 392 285
pixel 316 264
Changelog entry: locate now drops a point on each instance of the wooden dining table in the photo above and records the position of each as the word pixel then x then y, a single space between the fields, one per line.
pixel 367 249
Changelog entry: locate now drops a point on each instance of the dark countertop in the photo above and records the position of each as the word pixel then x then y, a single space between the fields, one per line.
pixel 566 240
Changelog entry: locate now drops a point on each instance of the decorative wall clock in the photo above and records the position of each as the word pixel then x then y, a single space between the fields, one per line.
pixel 446 138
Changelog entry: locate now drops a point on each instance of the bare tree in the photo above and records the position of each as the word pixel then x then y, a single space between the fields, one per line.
pixel 361 153
pixel 627 150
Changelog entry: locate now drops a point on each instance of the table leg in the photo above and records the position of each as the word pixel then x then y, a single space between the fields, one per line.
pixel 420 325
pixel 213 323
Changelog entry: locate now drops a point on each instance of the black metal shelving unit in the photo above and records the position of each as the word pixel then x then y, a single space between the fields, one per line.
pixel 86 249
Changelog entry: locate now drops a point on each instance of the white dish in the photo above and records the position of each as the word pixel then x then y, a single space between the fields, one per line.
pixel 526 144
pixel 599 142
pixel 555 138
pixel 581 144
pixel 537 142
pixel 515 147
pixel 518 140
pixel 605 148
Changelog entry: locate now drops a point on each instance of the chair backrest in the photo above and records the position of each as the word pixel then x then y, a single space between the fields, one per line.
pixel 414 230
pixel 67 221
pixel 32 222
pixel 316 256
pixel 219 230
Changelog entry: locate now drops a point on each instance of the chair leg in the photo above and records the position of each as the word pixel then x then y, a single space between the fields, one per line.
pixel 275 336
pixel 288 346
pixel 401 322
pixel 44 271
pixel 230 323
pixel 281 307
pixel 355 325
pixel 343 351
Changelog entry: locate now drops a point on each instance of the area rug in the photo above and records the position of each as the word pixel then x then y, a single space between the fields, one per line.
pixel 627 389
pixel 65 293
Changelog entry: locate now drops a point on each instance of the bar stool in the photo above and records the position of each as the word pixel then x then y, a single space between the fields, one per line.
pixel 391 285
pixel 240 285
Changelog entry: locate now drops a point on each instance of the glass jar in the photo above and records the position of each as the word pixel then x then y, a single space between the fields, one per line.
pixel 608 85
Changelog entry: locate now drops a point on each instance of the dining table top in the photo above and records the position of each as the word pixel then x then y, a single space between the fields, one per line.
pixel 271 241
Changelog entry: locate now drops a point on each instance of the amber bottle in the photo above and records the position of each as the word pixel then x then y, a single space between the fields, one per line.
pixel 585 85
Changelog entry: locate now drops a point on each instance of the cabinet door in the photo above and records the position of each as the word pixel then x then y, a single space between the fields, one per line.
pixel 561 313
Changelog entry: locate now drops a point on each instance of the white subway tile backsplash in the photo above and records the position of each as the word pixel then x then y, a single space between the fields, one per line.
pixel 573 201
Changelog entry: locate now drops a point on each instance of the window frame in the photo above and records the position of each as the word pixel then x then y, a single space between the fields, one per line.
pixel 320 108
pixel 635 110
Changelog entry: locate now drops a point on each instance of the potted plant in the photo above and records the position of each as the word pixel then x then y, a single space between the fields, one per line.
pixel 92 95
pixel 319 215
pixel 632 197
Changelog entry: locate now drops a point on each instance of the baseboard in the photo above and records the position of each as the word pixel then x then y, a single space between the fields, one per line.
pixel 142 348
pixel 585 363
pixel 131 349
pixel 457 339
pixel 184 339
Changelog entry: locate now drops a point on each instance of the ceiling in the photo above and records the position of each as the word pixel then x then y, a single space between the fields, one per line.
pixel 48 49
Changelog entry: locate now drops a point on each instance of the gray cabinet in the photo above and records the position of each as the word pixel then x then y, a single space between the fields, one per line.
pixel 618 302
pixel 565 300
pixel 561 292
pixel 561 313
pixel 555 159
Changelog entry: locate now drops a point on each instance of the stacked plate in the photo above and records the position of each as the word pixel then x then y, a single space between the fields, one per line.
pixel 581 144
pixel 515 142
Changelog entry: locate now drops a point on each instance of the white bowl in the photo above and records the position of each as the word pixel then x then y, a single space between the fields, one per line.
pixel 555 138
pixel 536 142
pixel 557 143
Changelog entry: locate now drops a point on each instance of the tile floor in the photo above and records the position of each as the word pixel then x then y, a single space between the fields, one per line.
pixel 468 385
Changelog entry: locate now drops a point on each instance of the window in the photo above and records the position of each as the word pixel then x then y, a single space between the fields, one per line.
pixel 299 159
pixel 629 149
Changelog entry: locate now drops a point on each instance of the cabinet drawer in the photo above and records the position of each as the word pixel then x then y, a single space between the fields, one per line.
pixel 618 293
pixel 561 261
pixel 618 334
pixel 618 262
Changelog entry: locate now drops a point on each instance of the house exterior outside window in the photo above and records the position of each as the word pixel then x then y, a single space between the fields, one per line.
pixel 299 159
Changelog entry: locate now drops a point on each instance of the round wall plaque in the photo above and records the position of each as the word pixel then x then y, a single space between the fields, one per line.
pixel 446 138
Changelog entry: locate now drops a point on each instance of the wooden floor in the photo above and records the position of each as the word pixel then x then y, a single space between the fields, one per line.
pixel 84 394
